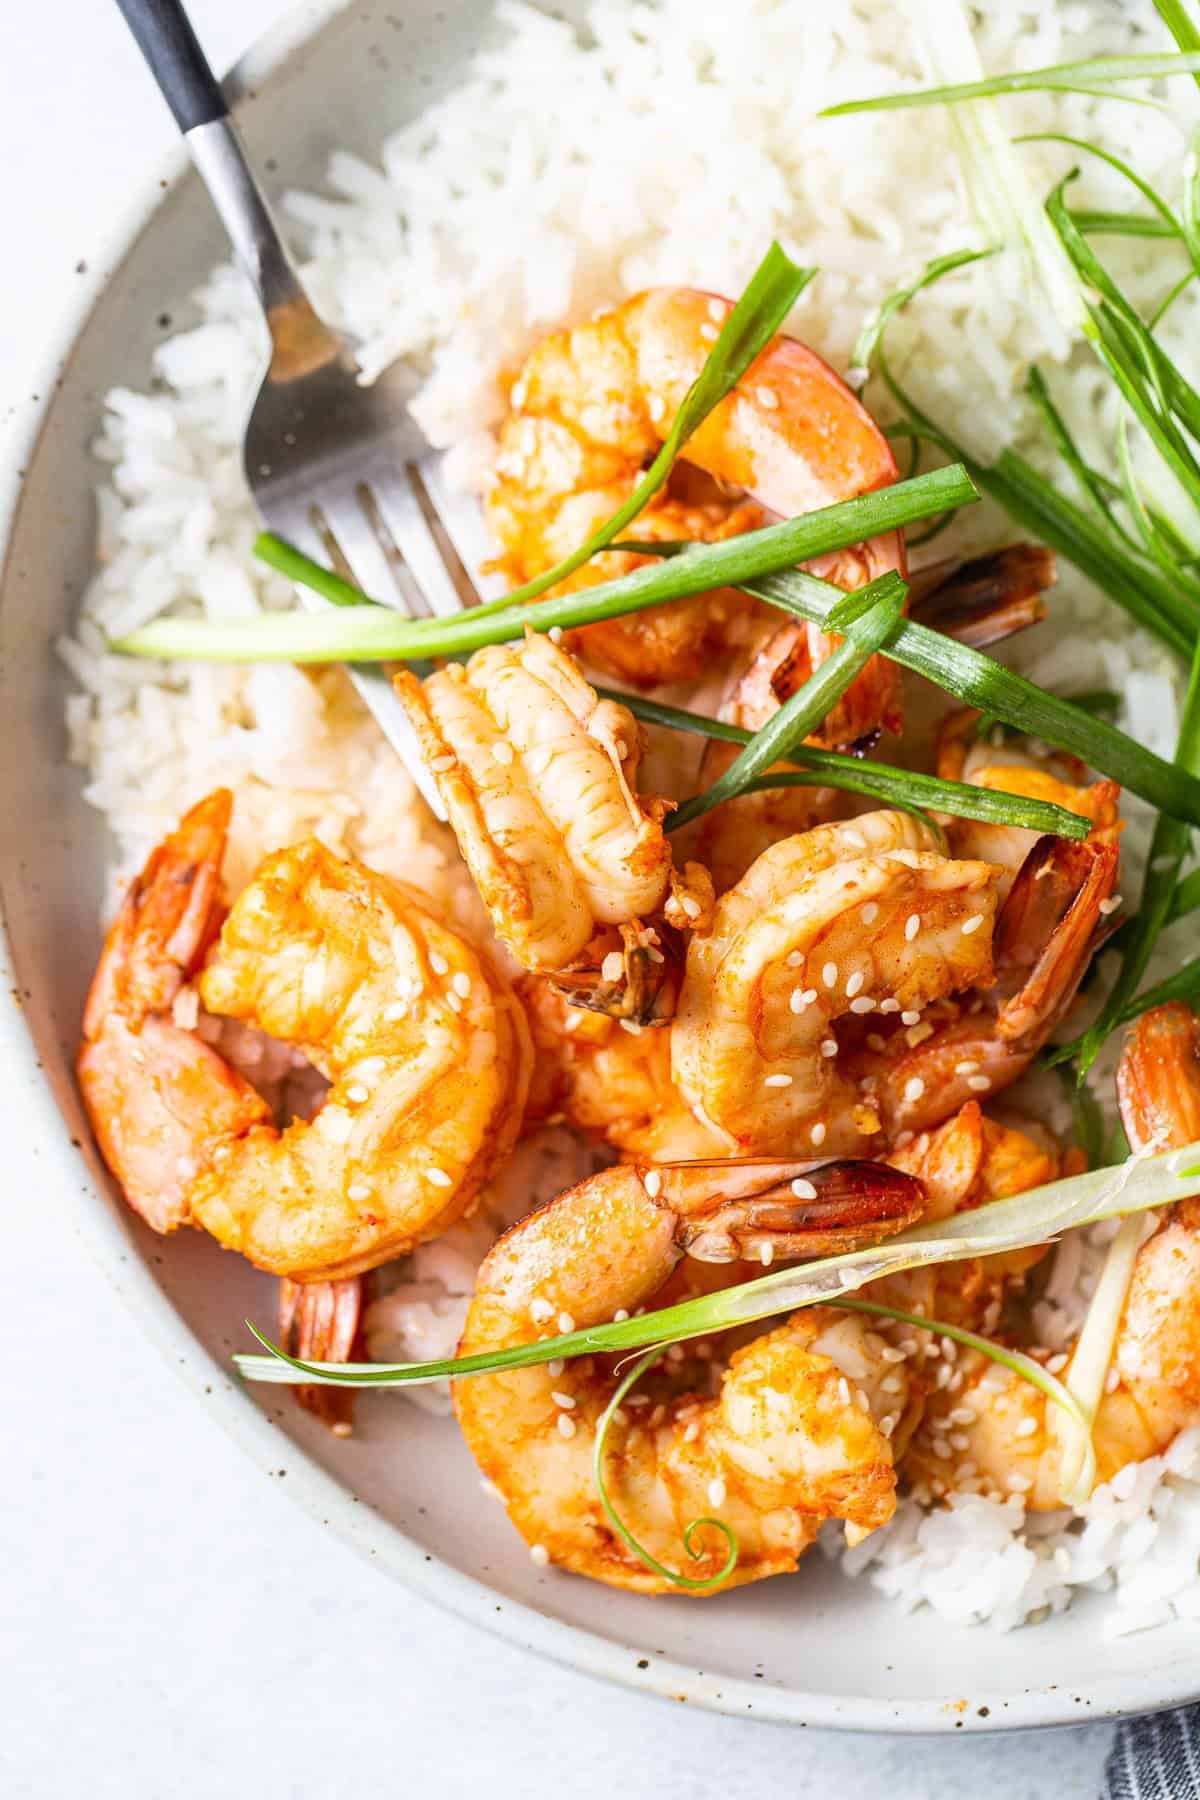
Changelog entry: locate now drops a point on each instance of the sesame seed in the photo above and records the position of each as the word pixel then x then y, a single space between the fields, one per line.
pixel 914 1089
pixel 804 1190
pixel 396 1011
pixel 716 1492
pixel 817 1134
pixel 870 913
pixel 454 1002
pixel 539 1554
pixel 941 1448
pixel 963 1415
pixel 652 1182
pixel 766 1255
pixel 860 1399
pixel 965 1068
pixel 829 974
pixel 855 839
pixel 566 1425
pixel 864 1004
pixel 891 1384
pixel 844 1391
pixel 620 1316
pixel 441 764
pixel 979 1084
pixel 439 1178
pixel 778 1081
pixel 631 1026
pixel 892 1354
pixel 555 634
pixel 902 1139
pixel 889 1005
pixel 565 1323
pixel 1057 1363
pixel 1112 1380
pixel 613 966
pixel 656 406
pixel 358 1094
pixel 1019 1484
pixel 555 1367
pixel 185 1168
pixel 767 398
pixel 1026 1428
pixel 692 1433
pixel 910 1017
pixel 691 906
pixel 438 963
pixel 912 925
pixel 358 1190
pixel 797 1001
pixel 540 1311
pixel 795 958
pixel 855 984
pixel 502 752
pixel 829 1047
pixel 972 924
pixel 716 310
pixel 1110 906
pixel 888 1425
pixel 916 1034
pixel 709 333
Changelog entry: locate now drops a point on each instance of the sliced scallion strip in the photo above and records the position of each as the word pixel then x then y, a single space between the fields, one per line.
pixel 1013 1224
pixel 891 786
pixel 880 605
pixel 980 681
pixel 1087 1373
pixel 1168 848
pixel 1088 77
pixel 367 633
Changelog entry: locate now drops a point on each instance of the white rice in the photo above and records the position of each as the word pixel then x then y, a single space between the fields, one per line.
pixel 669 148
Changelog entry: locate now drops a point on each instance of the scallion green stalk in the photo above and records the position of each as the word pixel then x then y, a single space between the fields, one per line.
pixel 1091 76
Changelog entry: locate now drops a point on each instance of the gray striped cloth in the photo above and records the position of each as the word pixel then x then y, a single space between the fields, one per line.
pixel 1156 1758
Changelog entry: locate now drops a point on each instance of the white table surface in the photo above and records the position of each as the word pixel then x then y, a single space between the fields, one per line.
pixel 169 1624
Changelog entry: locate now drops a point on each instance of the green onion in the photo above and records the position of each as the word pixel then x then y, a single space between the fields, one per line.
pixel 980 681
pixel 880 606
pixel 1003 1225
pixel 689 1582
pixel 379 634
pixel 1097 223
pixel 1087 1374
pixel 1088 77
pixel 871 336
pixel 1184 984
pixel 1168 848
pixel 1074 1490
pixel 1186 897
pixel 891 786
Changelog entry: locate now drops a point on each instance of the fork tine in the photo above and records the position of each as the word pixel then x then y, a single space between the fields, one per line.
pixel 292 520
pixel 461 518
pixel 414 529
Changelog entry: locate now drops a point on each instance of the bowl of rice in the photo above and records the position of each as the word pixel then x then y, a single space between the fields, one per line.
pixel 456 181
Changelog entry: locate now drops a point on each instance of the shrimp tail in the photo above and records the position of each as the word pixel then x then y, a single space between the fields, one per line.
pixel 320 1321
pixel 643 989
pixel 987 598
pixel 750 1209
pixel 1048 930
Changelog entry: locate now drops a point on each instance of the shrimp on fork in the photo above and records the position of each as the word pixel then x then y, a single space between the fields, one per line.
pixel 788 1440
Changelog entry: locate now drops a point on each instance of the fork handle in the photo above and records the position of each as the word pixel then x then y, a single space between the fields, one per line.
pixel 165 37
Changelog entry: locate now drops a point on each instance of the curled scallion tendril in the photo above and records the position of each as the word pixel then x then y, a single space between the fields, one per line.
pixel 694 1584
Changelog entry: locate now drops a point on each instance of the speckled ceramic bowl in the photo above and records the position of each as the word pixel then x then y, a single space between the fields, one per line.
pixel 811 1649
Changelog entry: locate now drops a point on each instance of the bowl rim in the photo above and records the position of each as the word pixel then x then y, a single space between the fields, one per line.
pixel 327 1500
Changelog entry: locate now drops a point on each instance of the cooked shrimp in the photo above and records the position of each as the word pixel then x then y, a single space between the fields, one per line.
pixel 847 920
pixel 426 1050
pixel 1154 1381
pixel 592 406
pixel 1058 778
pixel 539 779
pixel 788 1440
pixel 1057 907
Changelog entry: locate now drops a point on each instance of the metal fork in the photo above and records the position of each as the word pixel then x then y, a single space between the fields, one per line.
pixel 338 469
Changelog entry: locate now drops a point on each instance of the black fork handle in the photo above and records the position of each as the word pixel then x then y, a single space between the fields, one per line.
pixel 165 38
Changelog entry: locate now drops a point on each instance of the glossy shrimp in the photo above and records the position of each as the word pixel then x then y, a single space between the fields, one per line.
pixel 425 1049
pixel 798 1428
pixel 539 777
pixel 591 406
pixel 848 920
pixel 1058 903
pixel 997 1431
